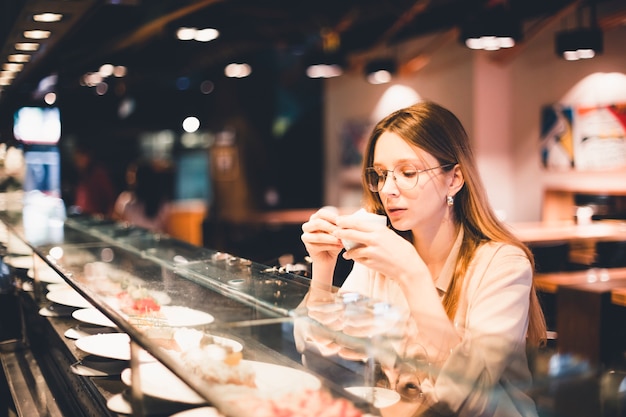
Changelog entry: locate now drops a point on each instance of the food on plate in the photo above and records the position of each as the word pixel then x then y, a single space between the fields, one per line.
pixel 137 301
pixel 215 361
pixel 215 365
pixel 307 403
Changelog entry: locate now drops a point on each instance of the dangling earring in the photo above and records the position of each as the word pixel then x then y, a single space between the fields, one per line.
pixel 450 200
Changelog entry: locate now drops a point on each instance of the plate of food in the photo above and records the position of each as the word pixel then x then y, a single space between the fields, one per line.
pixel 93 316
pixel 188 340
pixel 68 297
pixel 172 316
pixel 246 377
pixel 110 345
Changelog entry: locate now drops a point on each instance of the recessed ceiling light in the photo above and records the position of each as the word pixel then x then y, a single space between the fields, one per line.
pixel 236 70
pixel 206 35
pixel 26 46
pixel 37 34
pixel 47 17
pixel 11 66
pixel 186 34
pixel 19 58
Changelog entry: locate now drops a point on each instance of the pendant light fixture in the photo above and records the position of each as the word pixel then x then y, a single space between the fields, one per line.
pixel 380 71
pixel 581 42
pixel 492 28
pixel 326 61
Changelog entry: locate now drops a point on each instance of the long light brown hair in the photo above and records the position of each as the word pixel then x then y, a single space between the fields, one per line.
pixel 438 131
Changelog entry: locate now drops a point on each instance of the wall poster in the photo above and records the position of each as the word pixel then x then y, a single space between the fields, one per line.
pixel 584 138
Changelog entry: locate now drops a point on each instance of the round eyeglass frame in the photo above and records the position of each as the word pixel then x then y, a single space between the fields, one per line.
pixel 384 173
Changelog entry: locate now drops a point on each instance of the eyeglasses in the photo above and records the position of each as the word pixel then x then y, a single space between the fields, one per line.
pixel 405 176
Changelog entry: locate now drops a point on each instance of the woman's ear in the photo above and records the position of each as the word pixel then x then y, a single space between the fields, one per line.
pixel 456 180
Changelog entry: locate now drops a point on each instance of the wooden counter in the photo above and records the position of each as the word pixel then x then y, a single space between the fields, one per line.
pixel 589 324
pixel 554 232
pixel 587 317
pixel 551 282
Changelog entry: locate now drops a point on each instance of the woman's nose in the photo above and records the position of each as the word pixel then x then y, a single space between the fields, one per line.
pixel 389 185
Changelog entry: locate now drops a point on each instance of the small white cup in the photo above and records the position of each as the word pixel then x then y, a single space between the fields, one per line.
pixel 369 217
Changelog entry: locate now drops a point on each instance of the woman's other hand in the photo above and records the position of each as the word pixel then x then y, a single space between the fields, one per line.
pixel 377 246
pixel 318 238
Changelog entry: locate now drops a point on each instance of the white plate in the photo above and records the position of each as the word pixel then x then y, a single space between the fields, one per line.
pixel 378 397
pixel 21 262
pixel 58 286
pixel 118 404
pixel 110 345
pixel 198 412
pixel 155 376
pixel 68 297
pixel 271 380
pixel 47 275
pixel 178 316
pixel 92 316
pixel 18 247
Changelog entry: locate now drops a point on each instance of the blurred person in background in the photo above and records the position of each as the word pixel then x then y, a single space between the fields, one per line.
pixel 12 167
pixel 462 279
pixel 94 192
pixel 148 200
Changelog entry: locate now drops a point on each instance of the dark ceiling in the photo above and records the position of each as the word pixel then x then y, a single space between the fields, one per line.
pixel 140 34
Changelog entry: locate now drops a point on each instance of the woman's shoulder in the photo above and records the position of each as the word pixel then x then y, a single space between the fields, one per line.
pixel 502 253
pixel 501 248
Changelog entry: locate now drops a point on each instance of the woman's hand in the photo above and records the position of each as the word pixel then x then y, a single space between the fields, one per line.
pixel 321 245
pixel 378 247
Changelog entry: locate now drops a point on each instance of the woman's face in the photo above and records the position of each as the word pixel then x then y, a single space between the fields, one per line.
pixel 421 207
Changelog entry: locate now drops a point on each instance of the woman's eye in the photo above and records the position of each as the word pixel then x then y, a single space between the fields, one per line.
pixel 408 172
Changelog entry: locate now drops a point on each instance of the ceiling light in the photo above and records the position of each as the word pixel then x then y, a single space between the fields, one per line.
pixel 7 74
pixel 583 43
pixel 325 65
pixel 380 71
pixel 324 71
pixel 492 29
pixel 12 66
pixel 26 46
pixel 106 70
pixel 186 34
pixel 235 70
pixel 119 71
pixel 19 58
pixel 47 17
pixel 206 35
pixel 37 34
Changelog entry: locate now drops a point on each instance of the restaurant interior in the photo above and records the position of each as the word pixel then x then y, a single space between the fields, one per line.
pixel 224 92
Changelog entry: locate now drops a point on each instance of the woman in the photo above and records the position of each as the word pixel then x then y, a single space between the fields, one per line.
pixel 464 279
pixel 147 203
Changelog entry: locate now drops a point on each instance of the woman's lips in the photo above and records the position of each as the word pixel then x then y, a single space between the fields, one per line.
pixel 394 212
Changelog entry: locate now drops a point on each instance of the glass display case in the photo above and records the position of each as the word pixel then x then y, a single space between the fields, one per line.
pixel 149 323
pixel 121 321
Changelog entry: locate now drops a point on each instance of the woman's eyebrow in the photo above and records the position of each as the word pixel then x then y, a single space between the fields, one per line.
pixel 402 161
